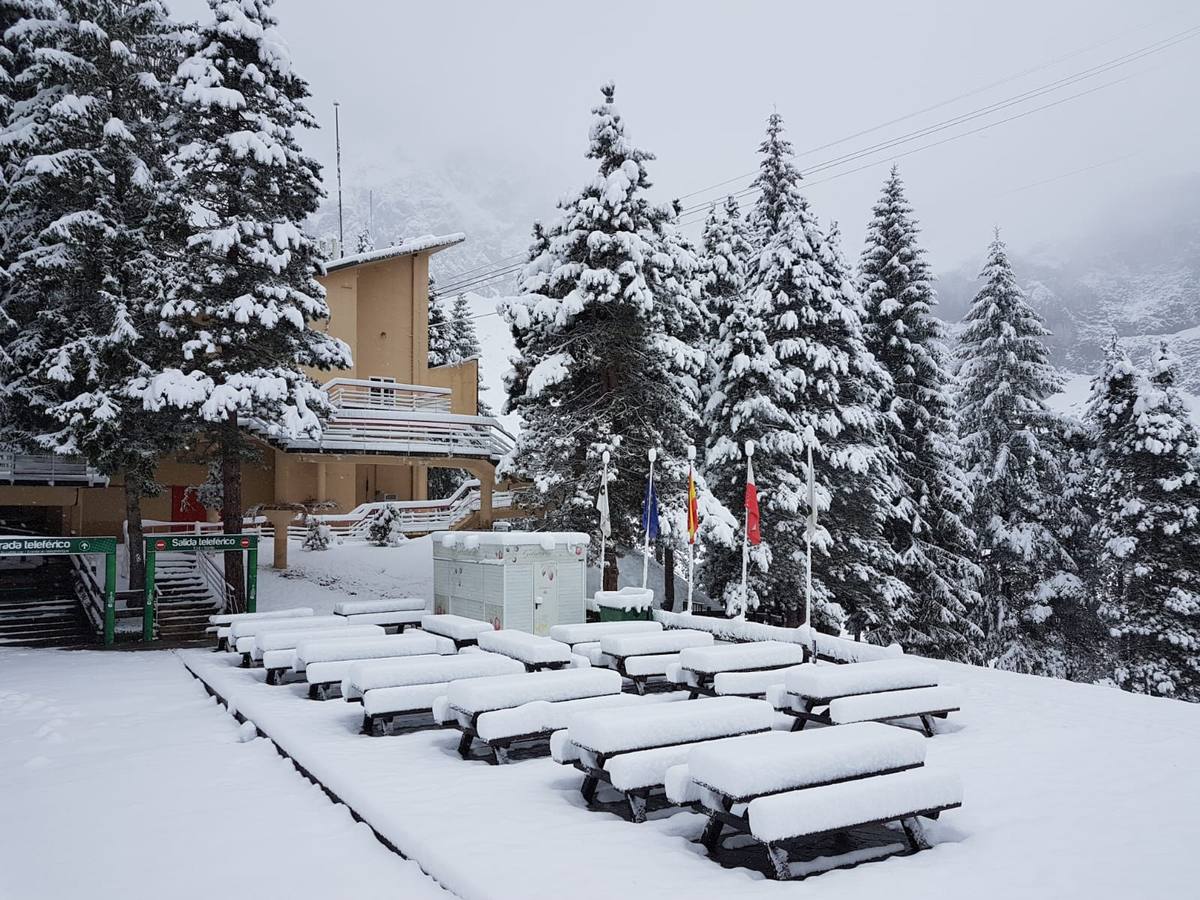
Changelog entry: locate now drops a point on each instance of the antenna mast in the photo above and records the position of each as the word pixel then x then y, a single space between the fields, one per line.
pixel 337 133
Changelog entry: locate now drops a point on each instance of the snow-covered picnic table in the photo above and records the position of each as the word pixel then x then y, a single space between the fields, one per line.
pixel 533 651
pixel 222 623
pixel 632 748
pixel 499 710
pixel 638 657
pixel 275 648
pixel 243 631
pixel 391 612
pixel 778 786
pixel 326 661
pixel 460 629
pixel 402 687
pixel 879 691
pixel 759 664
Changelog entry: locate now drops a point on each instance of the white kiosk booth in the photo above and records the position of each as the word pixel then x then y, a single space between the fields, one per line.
pixel 515 579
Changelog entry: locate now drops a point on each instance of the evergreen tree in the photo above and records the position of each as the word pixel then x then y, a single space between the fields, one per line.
pixel 385 529
pixel 363 242
pixel 466 345
pixel 441 332
pixel 317 536
pixel 1149 524
pixel 1010 440
pixel 831 384
pixel 247 292
pixel 91 236
pixel 591 319
pixel 934 545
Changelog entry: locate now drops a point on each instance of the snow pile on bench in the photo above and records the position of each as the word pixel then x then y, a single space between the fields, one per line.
pixel 824 681
pixel 342 649
pixel 430 677
pixel 592 632
pixel 543 717
pixel 297 612
pixel 894 704
pixel 741 657
pixel 779 761
pixel 749 684
pixel 277 649
pixel 507 691
pixel 457 628
pixel 378 674
pixel 653 643
pixel 387 605
pixel 633 599
pixel 828 647
pixel 838 806
pixel 525 647
pixel 242 633
pixel 621 730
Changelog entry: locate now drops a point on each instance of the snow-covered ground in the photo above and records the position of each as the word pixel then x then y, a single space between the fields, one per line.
pixel 121 778
pixel 1072 791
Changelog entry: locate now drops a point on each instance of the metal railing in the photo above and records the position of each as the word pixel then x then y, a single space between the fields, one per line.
pixel 88 591
pixel 47 468
pixel 360 393
pixel 214 579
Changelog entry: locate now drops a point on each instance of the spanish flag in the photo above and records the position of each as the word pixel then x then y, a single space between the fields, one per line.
pixel 693 523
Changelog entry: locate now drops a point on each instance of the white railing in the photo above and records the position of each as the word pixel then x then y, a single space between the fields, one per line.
pixel 414 433
pixel 213 574
pixel 358 393
pixel 47 468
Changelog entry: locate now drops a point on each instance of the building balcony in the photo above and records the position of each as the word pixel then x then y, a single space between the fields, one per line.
pixel 47 468
pixel 387 418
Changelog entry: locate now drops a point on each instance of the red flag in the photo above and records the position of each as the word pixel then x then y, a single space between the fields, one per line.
pixel 753 534
pixel 693 510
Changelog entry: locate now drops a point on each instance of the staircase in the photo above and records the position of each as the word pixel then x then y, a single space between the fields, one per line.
pixel 38 606
pixel 184 599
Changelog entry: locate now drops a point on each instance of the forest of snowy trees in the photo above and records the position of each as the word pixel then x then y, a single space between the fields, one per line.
pixel 958 514
pixel 157 285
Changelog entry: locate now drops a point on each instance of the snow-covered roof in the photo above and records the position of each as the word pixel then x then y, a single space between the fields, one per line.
pixel 429 243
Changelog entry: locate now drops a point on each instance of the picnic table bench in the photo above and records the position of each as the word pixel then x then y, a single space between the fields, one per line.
pixel 631 749
pixel 460 629
pixel 584 638
pixel 761 663
pixel 639 657
pixel 887 690
pixel 390 612
pixel 243 632
pixel 508 709
pixel 324 662
pixel 532 651
pixel 392 689
pixel 222 624
pixel 782 786
pixel 275 649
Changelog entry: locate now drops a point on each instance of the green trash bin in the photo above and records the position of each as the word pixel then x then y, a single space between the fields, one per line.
pixel 610 614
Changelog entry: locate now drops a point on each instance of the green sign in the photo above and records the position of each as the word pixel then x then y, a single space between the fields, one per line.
pixel 30 546
pixel 211 542
pixel 13 545
pixel 214 543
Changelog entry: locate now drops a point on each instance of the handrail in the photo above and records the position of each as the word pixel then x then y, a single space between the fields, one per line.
pixel 48 467
pixel 214 580
pixel 92 599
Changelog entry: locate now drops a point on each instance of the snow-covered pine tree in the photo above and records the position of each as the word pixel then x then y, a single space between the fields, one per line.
pixel 248 291
pixel 1149 524
pixel 1011 453
pixel 385 527
pixel 466 344
pixel 317 536
pixel 934 545
pixel 814 328
pixel 589 320
pixel 363 242
pixel 92 238
pixel 441 332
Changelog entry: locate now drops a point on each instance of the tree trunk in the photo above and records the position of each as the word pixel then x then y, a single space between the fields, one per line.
pixel 609 579
pixel 136 546
pixel 668 577
pixel 231 508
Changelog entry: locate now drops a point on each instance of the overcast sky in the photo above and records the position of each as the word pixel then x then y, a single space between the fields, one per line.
pixel 507 86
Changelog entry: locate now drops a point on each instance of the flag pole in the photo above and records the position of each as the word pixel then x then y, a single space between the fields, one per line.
pixel 810 532
pixel 603 538
pixel 691 537
pixel 653 454
pixel 741 616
